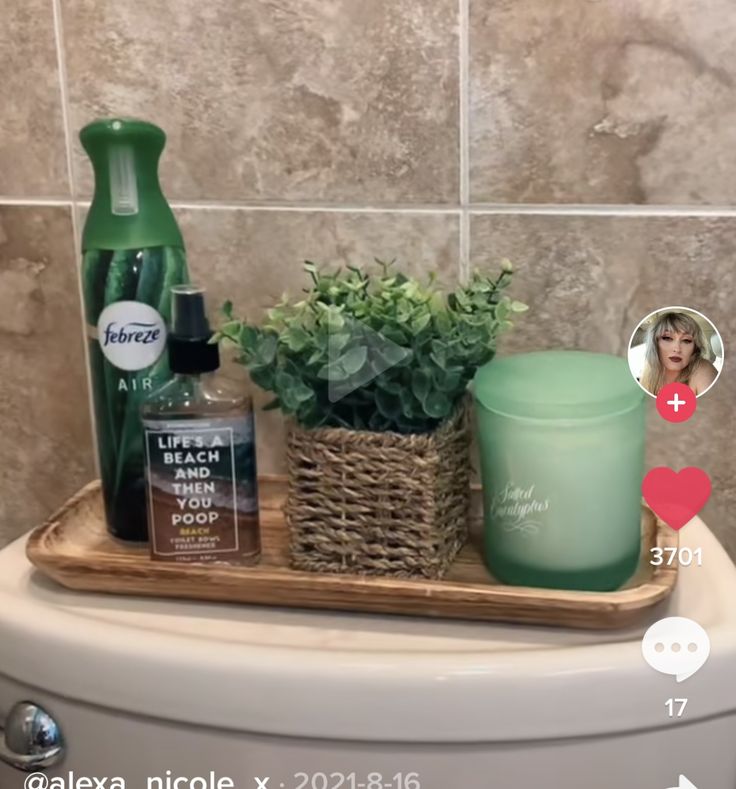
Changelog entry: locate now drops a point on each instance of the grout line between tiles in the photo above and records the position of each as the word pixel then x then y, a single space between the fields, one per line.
pixel 39 201
pixel 61 68
pixel 315 208
pixel 66 120
pixel 464 122
pixel 603 210
pixel 472 209
pixel 464 247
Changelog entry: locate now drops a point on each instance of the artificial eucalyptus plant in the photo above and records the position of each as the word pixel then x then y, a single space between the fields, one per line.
pixel 374 350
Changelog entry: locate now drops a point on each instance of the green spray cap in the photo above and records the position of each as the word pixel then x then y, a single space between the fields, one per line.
pixel 129 210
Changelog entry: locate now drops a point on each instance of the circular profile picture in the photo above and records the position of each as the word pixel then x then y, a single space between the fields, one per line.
pixel 676 345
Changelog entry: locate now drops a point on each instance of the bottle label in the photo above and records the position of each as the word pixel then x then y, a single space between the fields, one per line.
pixel 202 488
pixel 132 335
pixel 520 509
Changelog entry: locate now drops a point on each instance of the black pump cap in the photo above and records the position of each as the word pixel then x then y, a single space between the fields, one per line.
pixel 190 349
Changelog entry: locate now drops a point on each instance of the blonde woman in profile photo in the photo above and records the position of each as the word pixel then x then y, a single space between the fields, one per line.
pixel 676 352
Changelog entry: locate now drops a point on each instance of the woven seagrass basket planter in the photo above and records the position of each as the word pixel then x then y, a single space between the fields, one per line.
pixel 378 503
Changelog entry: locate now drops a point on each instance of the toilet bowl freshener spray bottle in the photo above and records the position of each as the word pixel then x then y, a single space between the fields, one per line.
pixel 133 254
pixel 200 450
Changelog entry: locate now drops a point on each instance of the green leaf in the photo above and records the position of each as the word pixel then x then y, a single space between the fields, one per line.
pixel 332 372
pixel 296 338
pixel 291 391
pixel 227 309
pixel 392 355
pixel 248 338
pixel 302 392
pixel 519 306
pixel 410 406
pixel 461 299
pixel 438 405
pixel 263 377
pixel 265 349
pixel 393 333
pixel 503 308
pixel 443 322
pixel 337 341
pixel 284 381
pixel 421 322
pixel 332 317
pixel 354 359
pixel 385 383
pixel 438 353
pixel 388 404
pixel 420 384
pixel 228 332
pixel 447 380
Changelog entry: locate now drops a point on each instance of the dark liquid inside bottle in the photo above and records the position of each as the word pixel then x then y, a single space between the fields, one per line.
pixel 126 512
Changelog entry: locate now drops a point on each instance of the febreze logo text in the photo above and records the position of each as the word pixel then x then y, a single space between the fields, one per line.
pixel 135 331
pixel 132 335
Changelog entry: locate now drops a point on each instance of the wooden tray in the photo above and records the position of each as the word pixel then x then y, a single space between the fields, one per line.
pixel 74 549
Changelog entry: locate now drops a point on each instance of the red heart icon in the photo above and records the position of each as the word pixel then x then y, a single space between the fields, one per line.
pixel 676 497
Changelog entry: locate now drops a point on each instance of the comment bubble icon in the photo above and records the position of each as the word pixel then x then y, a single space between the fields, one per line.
pixel 676 645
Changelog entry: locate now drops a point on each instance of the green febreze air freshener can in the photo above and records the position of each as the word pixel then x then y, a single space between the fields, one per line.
pixel 561 437
pixel 132 254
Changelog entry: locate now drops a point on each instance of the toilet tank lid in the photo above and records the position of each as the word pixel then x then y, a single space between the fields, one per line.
pixel 358 677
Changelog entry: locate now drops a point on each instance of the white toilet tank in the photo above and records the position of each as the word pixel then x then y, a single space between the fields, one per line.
pixel 156 693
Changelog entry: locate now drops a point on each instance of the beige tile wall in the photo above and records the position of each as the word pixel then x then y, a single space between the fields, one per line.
pixel 590 142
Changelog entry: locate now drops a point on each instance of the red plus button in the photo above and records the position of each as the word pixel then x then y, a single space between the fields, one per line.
pixel 676 402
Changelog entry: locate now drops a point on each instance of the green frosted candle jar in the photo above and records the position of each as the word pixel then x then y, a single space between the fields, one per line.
pixel 561 437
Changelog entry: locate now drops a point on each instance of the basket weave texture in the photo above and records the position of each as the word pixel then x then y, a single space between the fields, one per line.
pixel 378 503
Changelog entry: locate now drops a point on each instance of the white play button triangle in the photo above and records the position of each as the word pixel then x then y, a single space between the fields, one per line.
pixel 684 784
pixel 358 354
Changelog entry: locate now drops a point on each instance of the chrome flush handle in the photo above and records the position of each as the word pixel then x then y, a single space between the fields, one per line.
pixel 31 739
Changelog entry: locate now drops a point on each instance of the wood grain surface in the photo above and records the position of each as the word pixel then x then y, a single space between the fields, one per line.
pixel 74 548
